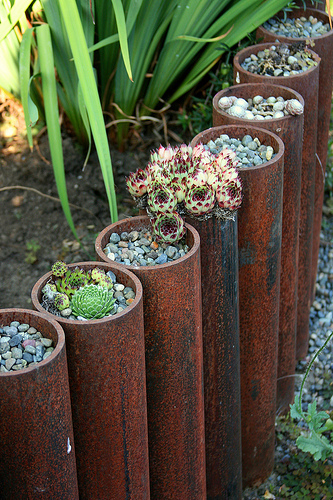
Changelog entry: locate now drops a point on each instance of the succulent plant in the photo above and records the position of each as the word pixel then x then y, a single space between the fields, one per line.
pixel 161 198
pixel 92 302
pixel 97 274
pixel 50 291
pixel 61 301
pixel 229 194
pixel 137 183
pixel 72 280
pixel 168 227
pixel 183 179
pixel 199 200
pixel 59 269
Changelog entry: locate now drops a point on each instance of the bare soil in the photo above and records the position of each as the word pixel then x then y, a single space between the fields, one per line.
pixel 33 229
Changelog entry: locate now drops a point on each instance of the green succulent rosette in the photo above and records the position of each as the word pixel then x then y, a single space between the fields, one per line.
pixel 92 302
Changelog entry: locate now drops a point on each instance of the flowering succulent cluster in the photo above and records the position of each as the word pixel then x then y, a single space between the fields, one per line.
pixel 185 181
pixel 87 293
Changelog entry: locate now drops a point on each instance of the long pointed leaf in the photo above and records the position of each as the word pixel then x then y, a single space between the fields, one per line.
pixel 90 95
pixel 30 114
pixel 52 116
pixel 121 26
pixel 17 11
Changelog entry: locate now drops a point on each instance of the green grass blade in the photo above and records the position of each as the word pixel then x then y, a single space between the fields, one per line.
pixel 30 112
pixel 52 116
pixel 14 15
pixel 121 26
pixel 90 95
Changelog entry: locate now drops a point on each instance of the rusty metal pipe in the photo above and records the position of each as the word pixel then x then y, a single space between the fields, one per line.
pixel 37 443
pixel 323 46
pixel 220 317
pixel 106 365
pixel 173 339
pixel 259 250
pixel 290 131
pixel 305 84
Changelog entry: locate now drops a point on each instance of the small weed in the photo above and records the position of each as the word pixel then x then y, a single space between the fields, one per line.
pixel 32 247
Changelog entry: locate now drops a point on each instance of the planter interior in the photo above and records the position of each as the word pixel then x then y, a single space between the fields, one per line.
pixel 107 382
pixel 36 421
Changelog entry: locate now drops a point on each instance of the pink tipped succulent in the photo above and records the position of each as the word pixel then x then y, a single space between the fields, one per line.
pixel 161 198
pixel 225 159
pixel 179 189
pixel 229 194
pixel 168 227
pixel 197 178
pixel 199 200
pixel 137 183
pixel 202 155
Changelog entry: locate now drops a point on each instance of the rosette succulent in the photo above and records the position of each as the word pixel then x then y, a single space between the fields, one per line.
pixel 72 281
pixel 59 269
pixel 199 200
pixel 168 227
pixel 61 301
pixel 183 179
pixel 161 199
pixel 92 302
pixel 229 194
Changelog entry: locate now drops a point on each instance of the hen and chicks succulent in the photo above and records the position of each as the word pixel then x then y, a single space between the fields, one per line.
pixel 182 181
pixel 87 294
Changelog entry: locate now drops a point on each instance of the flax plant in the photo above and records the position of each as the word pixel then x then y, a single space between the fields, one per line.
pixel 64 31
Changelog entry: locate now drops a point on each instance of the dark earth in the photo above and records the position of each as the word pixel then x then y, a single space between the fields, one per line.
pixel 33 229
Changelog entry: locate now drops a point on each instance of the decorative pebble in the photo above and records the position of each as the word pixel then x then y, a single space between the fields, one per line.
pixel 250 152
pixel 258 108
pixel 299 27
pixel 276 58
pixel 145 251
pixel 21 350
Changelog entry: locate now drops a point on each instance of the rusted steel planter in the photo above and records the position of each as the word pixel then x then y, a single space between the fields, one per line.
pixel 106 368
pixel 220 329
pixel 259 250
pixel 323 46
pixel 305 84
pixel 37 443
pixel 173 338
pixel 290 131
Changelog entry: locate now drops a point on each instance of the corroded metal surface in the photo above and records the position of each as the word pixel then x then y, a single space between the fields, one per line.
pixel 173 336
pixel 220 328
pixel 290 131
pixel 37 443
pixel 259 249
pixel 106 365
pixel 323 46
pixel 307 85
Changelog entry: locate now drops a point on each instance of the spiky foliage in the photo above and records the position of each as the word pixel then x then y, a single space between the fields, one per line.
pixel 92 302
pixel 186 180
pixel 61 301
pixel 168 227
pixel 72 281
pixel 59 269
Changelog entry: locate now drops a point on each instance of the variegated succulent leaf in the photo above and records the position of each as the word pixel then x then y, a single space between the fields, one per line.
pixel 199 200
pixel 168 227
pixel 229 194
pixel 59 269
pixel 161 199
pixel 61 301
pixel 136 183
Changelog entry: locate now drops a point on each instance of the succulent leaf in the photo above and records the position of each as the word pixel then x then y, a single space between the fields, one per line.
pixel 61 301
pixel 199 200
pixel 168 227
pixel 161 199
pixel 92 302
pixel 59 269
pixel 137 183
pixel 229 194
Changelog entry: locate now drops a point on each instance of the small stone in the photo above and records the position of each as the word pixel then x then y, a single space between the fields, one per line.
pixel 114 238
pixel 15 340
pixel 32 330
pixel 30 349
pixel 9 363
pixel 17 353
pixel 23 327
pixel 27 342
pixel 11 331
pixel 27 357
pixel 162 259
pixel 65 313
pixel 46 342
